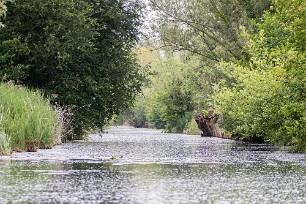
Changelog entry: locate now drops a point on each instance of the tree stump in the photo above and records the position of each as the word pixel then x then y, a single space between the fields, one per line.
pixel 208 125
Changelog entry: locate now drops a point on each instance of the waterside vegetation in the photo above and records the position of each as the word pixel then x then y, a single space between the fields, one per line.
pixel 27 120
pixel 77 52
pixel 242 63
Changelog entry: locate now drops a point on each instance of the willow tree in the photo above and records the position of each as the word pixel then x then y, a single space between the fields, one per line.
pixel 77 52
pixel 210 29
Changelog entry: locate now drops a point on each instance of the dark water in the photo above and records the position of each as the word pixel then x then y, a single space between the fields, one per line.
pixel 130 165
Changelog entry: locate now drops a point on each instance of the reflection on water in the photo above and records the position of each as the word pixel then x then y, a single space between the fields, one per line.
pixel 142 166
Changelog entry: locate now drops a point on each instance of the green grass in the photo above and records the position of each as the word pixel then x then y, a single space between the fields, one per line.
pixel 27 121
pixel 5 147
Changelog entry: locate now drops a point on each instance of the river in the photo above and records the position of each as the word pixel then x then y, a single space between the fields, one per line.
pixel 129 165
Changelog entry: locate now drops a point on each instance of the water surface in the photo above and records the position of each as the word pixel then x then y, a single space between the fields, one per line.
pixel 128 165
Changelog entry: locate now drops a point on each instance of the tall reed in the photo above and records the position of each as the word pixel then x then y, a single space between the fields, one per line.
pixel 27 120
pixel 5 147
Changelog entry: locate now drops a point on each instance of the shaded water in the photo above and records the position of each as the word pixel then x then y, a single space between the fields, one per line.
pixel 129 165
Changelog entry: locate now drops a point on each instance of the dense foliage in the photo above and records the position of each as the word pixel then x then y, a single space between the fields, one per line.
pixel 167 100
pixel 2 10
pixel 209 29
pixel 267 98
pixel 199 34
pixel 79 53
pixel 27 120
pixel 243 59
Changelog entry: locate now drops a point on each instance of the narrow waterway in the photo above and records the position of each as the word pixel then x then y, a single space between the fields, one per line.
pixel 129 165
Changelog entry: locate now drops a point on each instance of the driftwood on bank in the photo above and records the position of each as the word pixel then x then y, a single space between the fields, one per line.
pixel 208 125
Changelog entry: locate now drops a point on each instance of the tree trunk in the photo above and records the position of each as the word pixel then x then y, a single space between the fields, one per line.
pixel 208 125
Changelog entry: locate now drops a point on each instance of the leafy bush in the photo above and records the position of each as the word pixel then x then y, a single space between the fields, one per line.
pixel 267 98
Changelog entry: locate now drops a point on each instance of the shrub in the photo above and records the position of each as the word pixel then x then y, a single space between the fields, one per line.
pixel 267 96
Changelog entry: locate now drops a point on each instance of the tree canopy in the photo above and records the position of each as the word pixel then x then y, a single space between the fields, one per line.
pixel 241 61
pixel 208 29
pixel 2 11
pixel 267 98
pixel 79 53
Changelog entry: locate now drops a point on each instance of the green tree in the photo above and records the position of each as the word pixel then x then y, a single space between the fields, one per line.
pixel 192 37
pixel 169 99
pixel 208 29
pixel 267 98
pixel 178 107
pixel 2 11
pixel 79 53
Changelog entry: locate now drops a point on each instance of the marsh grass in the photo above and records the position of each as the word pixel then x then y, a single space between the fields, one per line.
pixel 5 147
pixel 27 120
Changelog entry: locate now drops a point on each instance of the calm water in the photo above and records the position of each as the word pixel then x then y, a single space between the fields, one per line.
pixel 129 165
